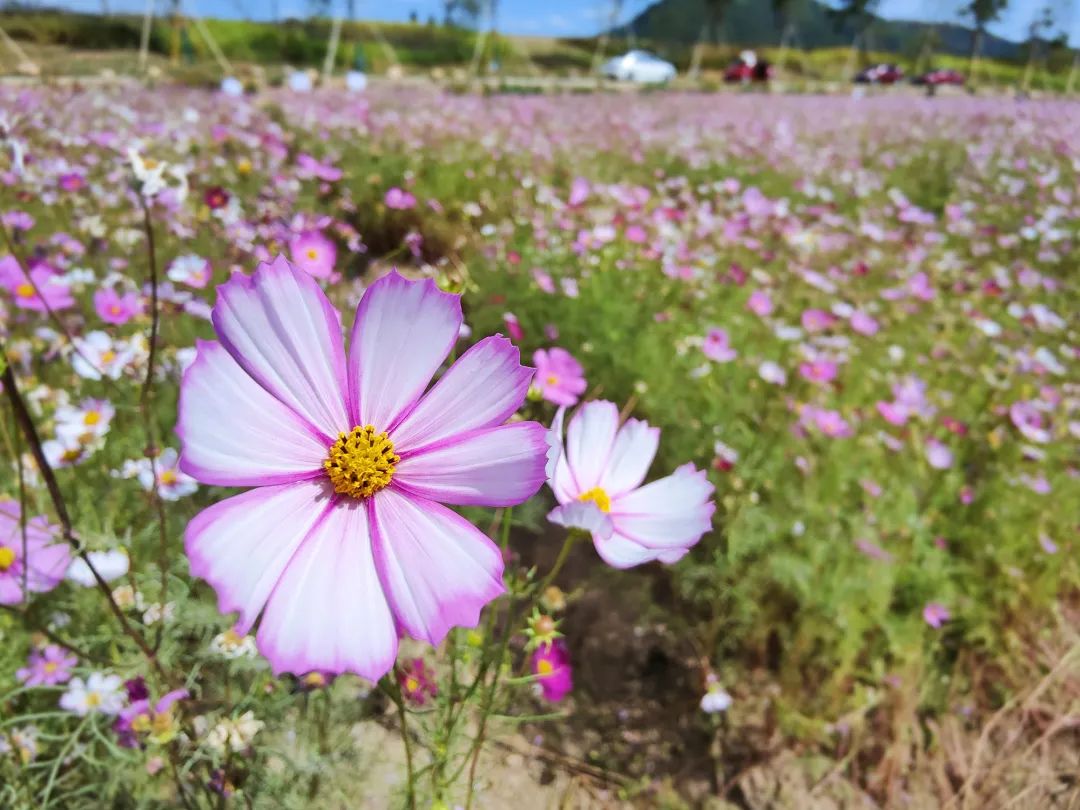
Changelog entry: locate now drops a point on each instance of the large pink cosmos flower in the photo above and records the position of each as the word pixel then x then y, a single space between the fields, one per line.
pixel 37 561
pixel 343 545
pixel 597 482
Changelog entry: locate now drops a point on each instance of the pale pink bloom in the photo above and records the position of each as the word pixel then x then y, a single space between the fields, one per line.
pixel 313 253
pixel 772 372
pixel 1029 421
pixel 815 320
pixel 39 559
pixel 760 303
pixel 192 270
pixel 597 479
pixel 579 192
pixel 892 413
pixel 559 377
pixel 717 346
pixel 935 614
pixel 820 370
pixel 938 455
pixel 310 167
pixel 831 423
pixel 636 235
pixel 543 281
pixel 399 199
pixel 863 323
pixel 114 308
pixel 343 544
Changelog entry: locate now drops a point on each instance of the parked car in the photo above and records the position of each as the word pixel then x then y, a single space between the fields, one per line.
pixel 883 73
pixel 639 66
pixel 938 78
pixel 748 68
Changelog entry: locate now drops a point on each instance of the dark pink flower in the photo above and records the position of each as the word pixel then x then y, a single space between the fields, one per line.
pixel 416 683
pixel 399 199
pixel 550 664
pixel 935 614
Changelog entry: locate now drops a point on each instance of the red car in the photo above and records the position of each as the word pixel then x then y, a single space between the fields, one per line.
pixel 741 71
pixel 938 78
pixel 880 74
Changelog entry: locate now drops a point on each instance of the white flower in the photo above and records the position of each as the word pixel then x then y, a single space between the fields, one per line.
pixel 190 269
pixel 772 372
pixel 148 172
pixel 100 693
pixel 84 423
pixel 159 613
pixel 99 355
pixel 715 699
pixel 23 741
pixel 232 86
pixel 233 645
pixel 236 734
pixel 172 484
pixel 110 564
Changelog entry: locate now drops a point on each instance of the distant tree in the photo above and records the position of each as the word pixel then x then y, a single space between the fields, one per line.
pixel 319 8
pixel 982 13
pixel 857 15
pixel 350 9
pixel 461 12
pixel 413 17
pixel 714 15
pixel 784 13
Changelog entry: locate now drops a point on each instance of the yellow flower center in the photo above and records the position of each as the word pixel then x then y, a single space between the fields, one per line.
pixel 361 462
pixel 411 684
pixel 51 667
pixel 599 497
pixel 551 379
pixel 162 724
pixel 312 254
pixel 7 558
pixel 91 418
pixel 244 166
pixel 231 637
pixel 168 477
pixel 544 667
pixel 93 700
pixel 25 290
pixel 140 723
pixel 108 356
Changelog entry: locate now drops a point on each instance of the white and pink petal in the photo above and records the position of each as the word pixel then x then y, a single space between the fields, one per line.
pixel 281 329
pixel 631 454
pixel 589 440
pixel 402 333
pixel 499 466
pixel 328 612
pixel 669 513
pixel 242 545
pixel 482 389
pixel 437 569
pixel 235 433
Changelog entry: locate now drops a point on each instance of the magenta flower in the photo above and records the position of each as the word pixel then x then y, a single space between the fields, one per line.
pixel 47 667
pixel 815 320
pixel 597 482
pixel 559 377
pixel 416 683
pixel 313 253
pixel 935 614
pixel 818 371
pixel 579 192
pixel 343 544
pixel 115 308
pixel 40 559
pixel 863 323
pixel 513 326
pixel 55 294
pixel 717 346
pixel 141 720
pixel 399 199
pixel 550 663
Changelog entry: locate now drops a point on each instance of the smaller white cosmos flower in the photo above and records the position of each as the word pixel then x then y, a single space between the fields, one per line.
pixel 172 484
pixel 98 355
pixel 149 173
pixel 111 565
pixel 231 644
pixel 236 734
pixel 99 694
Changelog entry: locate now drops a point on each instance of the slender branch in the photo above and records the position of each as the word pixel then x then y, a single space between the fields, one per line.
pixel 394 691
pixel 26 425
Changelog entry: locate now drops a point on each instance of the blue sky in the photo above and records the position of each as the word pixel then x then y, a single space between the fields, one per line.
pixel 557 17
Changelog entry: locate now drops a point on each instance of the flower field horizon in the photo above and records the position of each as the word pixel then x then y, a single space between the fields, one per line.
pixel 701 451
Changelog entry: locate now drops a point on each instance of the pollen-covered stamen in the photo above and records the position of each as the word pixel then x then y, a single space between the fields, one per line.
pixel 7 558
pixel 361 462
pixel 599 497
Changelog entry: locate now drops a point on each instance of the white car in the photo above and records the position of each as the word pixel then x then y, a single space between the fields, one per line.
pixel 639 66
